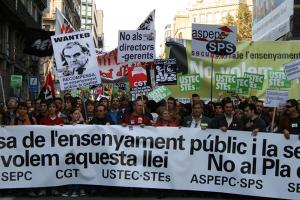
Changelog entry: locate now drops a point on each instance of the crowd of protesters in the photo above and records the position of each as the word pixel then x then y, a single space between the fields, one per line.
pixel 244 114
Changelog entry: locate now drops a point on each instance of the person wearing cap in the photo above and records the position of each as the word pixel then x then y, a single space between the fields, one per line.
pixel 290 123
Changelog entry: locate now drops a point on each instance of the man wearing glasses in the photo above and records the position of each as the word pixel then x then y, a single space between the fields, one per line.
pixel 290 123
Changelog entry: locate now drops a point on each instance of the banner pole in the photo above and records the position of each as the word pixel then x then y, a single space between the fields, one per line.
pixel 142 95
pixel 83 102
pixel 211 78
pixel 273 119
pixel 2 90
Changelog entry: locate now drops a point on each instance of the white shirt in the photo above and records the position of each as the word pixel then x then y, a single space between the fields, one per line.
pixel 196 124
pixel 229 119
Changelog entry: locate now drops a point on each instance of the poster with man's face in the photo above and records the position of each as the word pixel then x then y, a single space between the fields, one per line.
pixel 76 61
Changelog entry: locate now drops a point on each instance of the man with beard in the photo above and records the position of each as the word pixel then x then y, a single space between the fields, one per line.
pixel 253 122
pixel 261 112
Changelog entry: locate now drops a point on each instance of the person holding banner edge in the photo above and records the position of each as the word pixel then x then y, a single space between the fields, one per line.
pixel 290 123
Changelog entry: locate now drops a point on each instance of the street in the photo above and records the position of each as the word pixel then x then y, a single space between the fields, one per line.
pixel 130 193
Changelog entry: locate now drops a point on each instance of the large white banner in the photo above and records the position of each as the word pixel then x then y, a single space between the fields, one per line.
pixel 183 159
pixel 76 60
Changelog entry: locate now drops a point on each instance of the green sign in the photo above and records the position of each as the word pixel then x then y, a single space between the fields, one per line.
pixel 242 85
pixel 16 81
pixel 159 93
pixel 225 82
pixel 278 79
pixel 189 83
pixel 256 81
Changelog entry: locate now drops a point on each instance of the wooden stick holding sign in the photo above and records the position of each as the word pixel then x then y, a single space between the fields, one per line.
pixel 83 102
pixel 273 120
pixel 2 88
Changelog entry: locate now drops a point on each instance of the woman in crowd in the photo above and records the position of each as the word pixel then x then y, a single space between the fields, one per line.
pixel 164 118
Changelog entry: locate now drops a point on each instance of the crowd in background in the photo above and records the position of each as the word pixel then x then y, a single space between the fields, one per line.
pixel 244 114
pixel 241 114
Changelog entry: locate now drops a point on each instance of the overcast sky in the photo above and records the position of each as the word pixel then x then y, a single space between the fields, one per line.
pixel 129 14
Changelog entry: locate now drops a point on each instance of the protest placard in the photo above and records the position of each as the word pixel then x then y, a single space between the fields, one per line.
pixel 278 79
pixel 76 61
pixel 256 81
pixel 139 79
pixel 276 98
pixel 159 93
pixel 292 70
pixel 225 82
pixel 189 83
pixel 136 45
pixel 165 71
pixel 213 39
pixel 242 85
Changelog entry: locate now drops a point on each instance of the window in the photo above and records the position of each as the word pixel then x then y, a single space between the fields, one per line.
pixel 195 18
pixel 210 17
pixel 232 13
pixel 218 16
pixel 46 27
pixel 202 18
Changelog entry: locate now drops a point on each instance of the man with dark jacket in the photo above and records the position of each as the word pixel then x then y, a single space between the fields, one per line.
pixel 196 119
pixel 253 122
pixel 227 120
pixel 101 117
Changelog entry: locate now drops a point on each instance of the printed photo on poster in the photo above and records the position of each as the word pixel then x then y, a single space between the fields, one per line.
pixel 75 57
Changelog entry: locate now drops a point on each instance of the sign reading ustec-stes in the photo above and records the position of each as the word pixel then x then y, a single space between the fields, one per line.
pixel 213 39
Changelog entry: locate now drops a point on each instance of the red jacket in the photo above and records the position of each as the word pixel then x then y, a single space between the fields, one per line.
pixel 48 121
pixel 132 119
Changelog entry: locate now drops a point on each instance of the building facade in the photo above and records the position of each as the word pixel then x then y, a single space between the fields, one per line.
pixel 205 12
pixel 16 17
pixel 69 8
pixel 276 20
pixel 92 19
